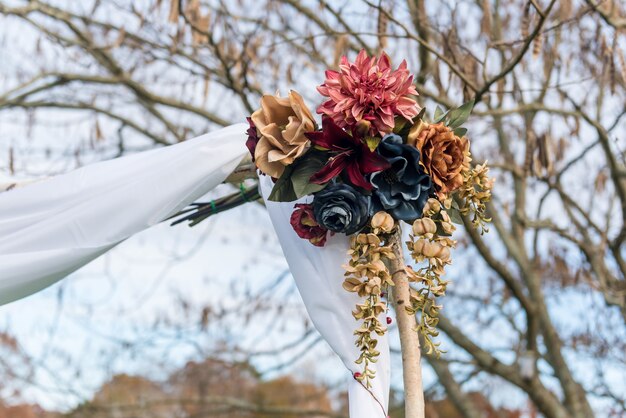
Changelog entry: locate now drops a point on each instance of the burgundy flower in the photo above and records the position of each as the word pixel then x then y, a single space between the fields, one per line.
pixel 350 156
pixel 253 137
pixel 303 222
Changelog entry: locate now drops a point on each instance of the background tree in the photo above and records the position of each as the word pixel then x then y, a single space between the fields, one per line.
pixel 539 304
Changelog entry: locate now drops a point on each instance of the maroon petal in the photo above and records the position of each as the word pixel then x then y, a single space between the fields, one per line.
pixel 331 137
pixel 356 177
pixel 253 137
pixel 251 145
pixel 331 170
pixel 320 139
pixel 372 162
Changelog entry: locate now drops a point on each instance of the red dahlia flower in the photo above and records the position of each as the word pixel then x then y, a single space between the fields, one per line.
pixel 303 222
pixel 370 90
pixel 350 156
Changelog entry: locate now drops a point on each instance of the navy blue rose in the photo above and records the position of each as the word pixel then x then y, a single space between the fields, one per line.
pixel 403 189
pixel 341 208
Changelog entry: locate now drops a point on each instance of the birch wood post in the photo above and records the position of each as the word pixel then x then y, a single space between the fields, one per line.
pixel 409 341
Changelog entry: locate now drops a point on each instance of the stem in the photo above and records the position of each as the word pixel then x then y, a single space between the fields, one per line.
pixel 409 340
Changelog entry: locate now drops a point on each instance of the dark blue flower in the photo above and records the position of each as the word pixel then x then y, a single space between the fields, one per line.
pixel 341 208
pixel 403 189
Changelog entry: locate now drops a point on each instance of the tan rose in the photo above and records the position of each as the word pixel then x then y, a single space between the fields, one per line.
pixel 443 154
pixel 282 123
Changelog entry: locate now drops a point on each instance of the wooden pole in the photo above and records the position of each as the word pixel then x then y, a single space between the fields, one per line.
pixel 414 406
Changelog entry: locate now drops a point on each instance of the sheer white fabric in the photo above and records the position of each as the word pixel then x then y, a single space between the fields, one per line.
pixel 52 228
pixel 318 274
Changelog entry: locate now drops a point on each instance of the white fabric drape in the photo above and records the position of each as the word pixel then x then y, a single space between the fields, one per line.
pixel 318 274
pixel 52 228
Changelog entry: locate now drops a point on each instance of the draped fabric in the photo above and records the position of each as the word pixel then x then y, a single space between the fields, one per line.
pixel 52 228
pixel 318 274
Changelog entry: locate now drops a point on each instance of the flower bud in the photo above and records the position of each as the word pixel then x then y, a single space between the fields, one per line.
pixel 444 254
pixel 448 228
pixel 363 127
pixel 377 266
pixel 424 226
pixel 446 223
pixel 373 239
pixel 362 239
pixel 415 131
pixel 418 246
pixel 431 249
pixel 432 205
pixel 383 220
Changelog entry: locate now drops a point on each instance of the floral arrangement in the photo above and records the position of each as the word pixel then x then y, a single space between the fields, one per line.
pixel 375 161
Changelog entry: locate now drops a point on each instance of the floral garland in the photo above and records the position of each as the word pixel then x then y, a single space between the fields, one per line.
pixel 374 162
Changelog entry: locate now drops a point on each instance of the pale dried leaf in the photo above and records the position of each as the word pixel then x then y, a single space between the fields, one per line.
pixel 486 21
pixel 174 15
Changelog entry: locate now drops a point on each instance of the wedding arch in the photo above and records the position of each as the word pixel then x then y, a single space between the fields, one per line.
pixel 522 277
pixel 340 189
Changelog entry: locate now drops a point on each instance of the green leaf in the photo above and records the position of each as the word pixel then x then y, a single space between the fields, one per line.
pixel 303 169
pixel 441 232
pixel 404 133
pixel 458 116
pixel 409 124
pixel 283 188
pixel 439 115
pixel 420 115
pixel 455 215
pixel 399 124
pixel 460 132
pixel 372 142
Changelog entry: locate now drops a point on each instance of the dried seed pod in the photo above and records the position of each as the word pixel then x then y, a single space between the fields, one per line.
pixel 424 226
pixel 432 206
pixel 383 221
pixel 537 45
pixel 526 20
